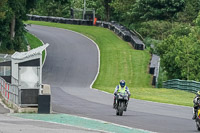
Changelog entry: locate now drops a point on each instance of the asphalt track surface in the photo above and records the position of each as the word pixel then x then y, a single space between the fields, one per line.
pixel 70 68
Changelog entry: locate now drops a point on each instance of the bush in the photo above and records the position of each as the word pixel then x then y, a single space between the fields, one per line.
pixel 160 30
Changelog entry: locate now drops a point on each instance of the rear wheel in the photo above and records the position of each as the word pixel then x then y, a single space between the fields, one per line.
pixel 198 125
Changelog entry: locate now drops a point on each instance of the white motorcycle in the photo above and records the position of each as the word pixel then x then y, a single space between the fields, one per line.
pixel 121 103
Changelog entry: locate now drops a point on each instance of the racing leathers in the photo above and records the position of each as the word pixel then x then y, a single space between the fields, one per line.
pixel 120 89
pixel 195 107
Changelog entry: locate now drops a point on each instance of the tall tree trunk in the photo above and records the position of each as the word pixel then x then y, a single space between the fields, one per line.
pixel 107 8
pixel 12 28
pixel 108 13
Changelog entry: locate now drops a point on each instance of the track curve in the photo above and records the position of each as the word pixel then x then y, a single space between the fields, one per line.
pixel 71 66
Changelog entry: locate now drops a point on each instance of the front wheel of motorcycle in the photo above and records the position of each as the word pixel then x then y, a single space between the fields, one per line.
pixel 117 112
pixel 121 113
pixel 121 108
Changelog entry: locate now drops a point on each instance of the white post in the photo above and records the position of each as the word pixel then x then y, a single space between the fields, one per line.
pixel 4 71
pixel 93 15
pixel 84 8
pixel 40 76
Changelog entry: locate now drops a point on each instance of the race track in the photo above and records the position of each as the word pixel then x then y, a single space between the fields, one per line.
pixel 70 68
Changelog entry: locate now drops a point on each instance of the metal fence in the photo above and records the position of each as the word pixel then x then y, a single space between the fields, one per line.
pixel 188 85
pixel 5 57
pixel 8 91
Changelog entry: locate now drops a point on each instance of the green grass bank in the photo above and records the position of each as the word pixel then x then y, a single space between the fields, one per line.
pixel 120 61
pixel 34 42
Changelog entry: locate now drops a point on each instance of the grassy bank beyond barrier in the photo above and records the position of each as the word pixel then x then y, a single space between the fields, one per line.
pixel 120 61
pixel 34 42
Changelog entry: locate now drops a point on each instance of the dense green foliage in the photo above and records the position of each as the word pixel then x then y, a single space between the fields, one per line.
pixel 157 9
pixel 171 25
pixel 122 11
pixel 175 36
pixel 159 29
pixel 181 56
pixel 180 53
pixel 190 12
pixel 2 8
pixel 59 8
pixel 12 14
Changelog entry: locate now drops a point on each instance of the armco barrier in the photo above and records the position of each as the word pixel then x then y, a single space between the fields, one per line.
pixel 9 92
pixel 120 30
pixel 188 85
pixel 154 68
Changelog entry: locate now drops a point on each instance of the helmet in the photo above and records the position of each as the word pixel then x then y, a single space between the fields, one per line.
pixel 198 93
pixel 122 83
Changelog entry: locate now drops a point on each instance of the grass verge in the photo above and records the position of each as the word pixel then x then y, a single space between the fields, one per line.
pixel 120 61
pixel 34 42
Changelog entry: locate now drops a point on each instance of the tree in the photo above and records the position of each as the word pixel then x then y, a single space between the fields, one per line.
pixel 190 12
pixel 12 27
pixel 102 7
pixel 59 8
pixel 157 9
pixel 180 56
pixel 197 21
pixel 122 10
pixel 2 8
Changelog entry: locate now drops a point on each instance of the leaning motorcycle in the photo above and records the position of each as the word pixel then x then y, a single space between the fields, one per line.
pixel 198 117
pixel 198 120
pixel 121 103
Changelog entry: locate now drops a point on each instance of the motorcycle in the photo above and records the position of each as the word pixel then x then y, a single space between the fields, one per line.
pixel 198 120
pixel 198 117
pixel 121 103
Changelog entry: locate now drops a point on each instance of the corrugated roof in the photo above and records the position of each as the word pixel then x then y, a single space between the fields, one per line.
pixel 23 55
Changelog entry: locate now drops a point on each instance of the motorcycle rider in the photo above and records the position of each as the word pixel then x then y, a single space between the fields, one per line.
pixel 196 105
pixel 121 87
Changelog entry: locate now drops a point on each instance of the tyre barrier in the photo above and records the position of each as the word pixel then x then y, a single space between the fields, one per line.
pixel 120 30
pixel 154 68
pixel 124 33
pixel 60 20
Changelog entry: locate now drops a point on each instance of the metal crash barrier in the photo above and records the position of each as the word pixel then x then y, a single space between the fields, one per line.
pixel 9 92
pixel 21 79
pixel 187 85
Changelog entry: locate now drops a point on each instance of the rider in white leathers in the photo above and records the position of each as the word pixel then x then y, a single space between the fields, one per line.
pixel 119 87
